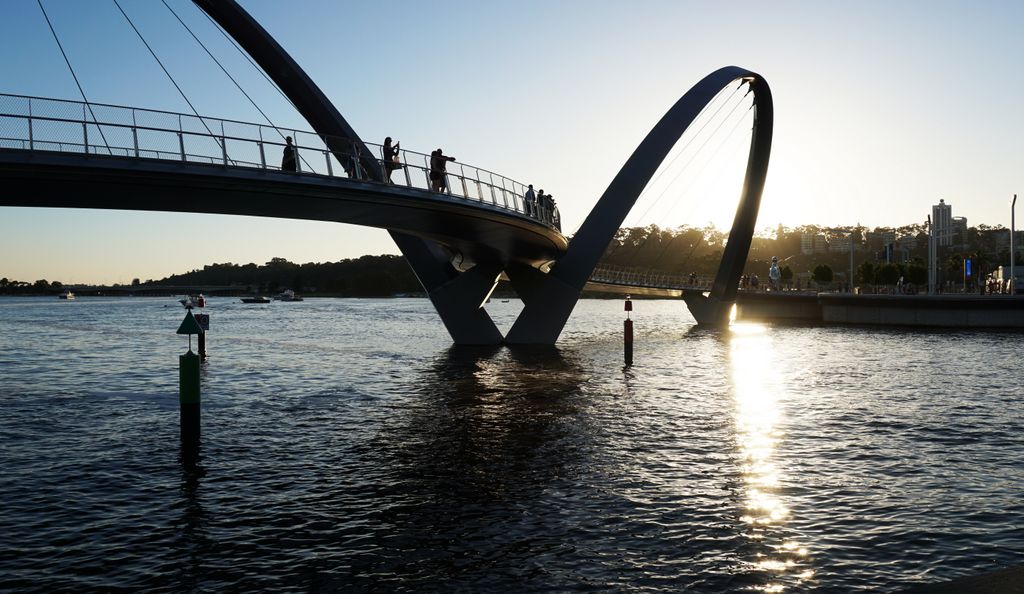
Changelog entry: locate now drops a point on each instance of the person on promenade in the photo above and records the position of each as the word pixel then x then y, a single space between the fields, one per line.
pixel 438 171
pixel 288 162
pixel 529 200
pixel 391 161
pixel 774 274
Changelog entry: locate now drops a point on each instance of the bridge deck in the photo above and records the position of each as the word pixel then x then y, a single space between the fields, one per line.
pixel 59 153
pixel 476 230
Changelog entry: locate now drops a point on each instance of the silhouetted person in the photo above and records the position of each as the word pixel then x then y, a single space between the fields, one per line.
pixel 390 154
pixel 529 200
pixel 541 203
pixel 546 202
pixel 288 158
pixel 438 163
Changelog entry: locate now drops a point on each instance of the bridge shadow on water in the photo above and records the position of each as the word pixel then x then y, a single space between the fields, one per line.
pixel 485 414
pixel 492 436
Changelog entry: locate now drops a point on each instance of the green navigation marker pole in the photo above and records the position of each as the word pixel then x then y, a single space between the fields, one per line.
pixel 188 381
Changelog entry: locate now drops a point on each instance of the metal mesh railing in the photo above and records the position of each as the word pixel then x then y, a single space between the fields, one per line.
pixel 42 124
pixel 632 277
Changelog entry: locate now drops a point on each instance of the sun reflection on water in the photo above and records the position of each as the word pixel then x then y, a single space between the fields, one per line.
pixel 757 389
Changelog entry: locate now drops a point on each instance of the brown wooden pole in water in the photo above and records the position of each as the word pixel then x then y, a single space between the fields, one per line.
pixel 627 333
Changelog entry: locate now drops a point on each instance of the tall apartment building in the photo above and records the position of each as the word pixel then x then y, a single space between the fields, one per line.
pixel 942 222
pixel 960 231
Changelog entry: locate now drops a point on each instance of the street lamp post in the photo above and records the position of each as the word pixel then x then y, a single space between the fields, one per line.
pixel 931 256
pixel 850 285
pixel 1013 231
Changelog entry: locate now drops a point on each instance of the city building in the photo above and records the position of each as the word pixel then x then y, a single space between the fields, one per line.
pixel 942 223
pixel 807 244
pixel 960 232
pixel 907 242
pixel 840 244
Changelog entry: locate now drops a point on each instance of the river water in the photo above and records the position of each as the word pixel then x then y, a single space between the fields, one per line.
pixel 347 447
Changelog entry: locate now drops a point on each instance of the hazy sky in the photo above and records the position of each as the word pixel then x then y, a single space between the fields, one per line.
pixel 882 108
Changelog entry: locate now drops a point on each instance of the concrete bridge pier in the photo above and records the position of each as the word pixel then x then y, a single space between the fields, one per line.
pixel 548 302
pixel 458 297
pixel 707 310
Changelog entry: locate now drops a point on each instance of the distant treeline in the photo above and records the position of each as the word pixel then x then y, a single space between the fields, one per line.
pixel 368 276
pixel 682 251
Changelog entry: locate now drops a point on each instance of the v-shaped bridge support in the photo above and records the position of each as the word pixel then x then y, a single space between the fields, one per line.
pixel 549 298
pixel 458 297
pixel 552 298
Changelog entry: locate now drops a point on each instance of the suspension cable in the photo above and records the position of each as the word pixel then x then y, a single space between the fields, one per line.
pixel 690 160
pixel 250 60
pixel 228 74
pixel 696 134
pixel 73 75
pixel 686 165
pixel 685 146
pixel 217 62
pixel 174 82
pixel 700 171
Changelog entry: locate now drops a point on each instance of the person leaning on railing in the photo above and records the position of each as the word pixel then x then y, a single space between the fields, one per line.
pixel 438 177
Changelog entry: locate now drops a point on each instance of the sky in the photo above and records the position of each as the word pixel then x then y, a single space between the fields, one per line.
pixel 881 109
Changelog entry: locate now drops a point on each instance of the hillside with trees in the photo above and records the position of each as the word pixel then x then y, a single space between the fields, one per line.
pixel 881 256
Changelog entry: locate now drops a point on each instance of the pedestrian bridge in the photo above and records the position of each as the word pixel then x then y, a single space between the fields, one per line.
pixel 59 153
pixel 459 242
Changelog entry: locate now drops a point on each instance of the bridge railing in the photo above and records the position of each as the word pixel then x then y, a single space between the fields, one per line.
pixel 633 277
pixel 59 125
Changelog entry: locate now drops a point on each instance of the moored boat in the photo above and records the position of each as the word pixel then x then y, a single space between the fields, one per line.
pixel 67 294
pixel 190 301
pixel 288 295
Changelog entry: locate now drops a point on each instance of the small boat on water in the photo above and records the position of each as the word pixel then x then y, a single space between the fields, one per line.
pixel 190 301
pixel 67 294
pixel 288 295
pixel 256 299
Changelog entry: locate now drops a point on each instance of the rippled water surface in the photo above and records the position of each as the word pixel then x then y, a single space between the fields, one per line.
pixel 347 446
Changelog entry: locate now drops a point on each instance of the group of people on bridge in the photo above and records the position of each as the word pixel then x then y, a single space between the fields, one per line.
pixel 538 205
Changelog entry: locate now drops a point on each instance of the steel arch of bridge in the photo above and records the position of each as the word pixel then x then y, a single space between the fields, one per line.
pixel 549 298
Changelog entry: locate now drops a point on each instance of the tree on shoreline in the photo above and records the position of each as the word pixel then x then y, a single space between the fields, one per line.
pixel 680 251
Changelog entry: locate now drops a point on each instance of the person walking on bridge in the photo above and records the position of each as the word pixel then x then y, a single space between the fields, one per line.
pixel 288 162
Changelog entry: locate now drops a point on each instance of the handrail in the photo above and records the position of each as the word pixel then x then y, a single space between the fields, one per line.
pixel 64 125
pixel 620 275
